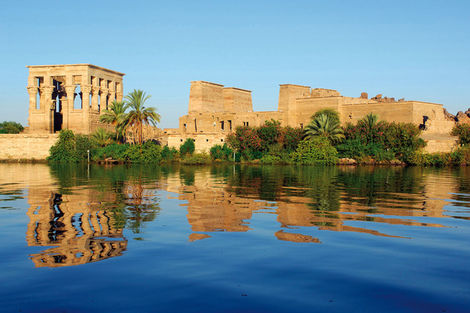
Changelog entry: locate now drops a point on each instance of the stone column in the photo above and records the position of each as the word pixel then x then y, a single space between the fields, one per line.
pixel 86 89
pixel 112 96
pixel 67 106
pixel 94 99
pixel 104 94
pixel 32 91
pixel 48 108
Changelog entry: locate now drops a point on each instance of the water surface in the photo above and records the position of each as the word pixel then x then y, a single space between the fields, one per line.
pixel 234 239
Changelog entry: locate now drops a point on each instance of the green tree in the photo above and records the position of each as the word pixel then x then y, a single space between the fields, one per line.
pixel 64 149
pixel 116 116
pixel 11 128
pixel 324 126
pixel 102 137
pixel 463 132
pixel 187 147
pixel 369 121
pixel 139 114
pixel 333 114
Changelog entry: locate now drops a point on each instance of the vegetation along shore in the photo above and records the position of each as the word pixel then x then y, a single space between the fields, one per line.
pixel 323 141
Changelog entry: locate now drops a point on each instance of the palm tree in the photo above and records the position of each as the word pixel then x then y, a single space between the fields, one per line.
pixel 370 120
pixel 326 126
pixel 102 137
pixel 139 114
pixel 116 116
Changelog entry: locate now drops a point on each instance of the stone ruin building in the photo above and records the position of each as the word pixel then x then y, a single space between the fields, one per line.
pixel 214 111
pixel 73 96
pixel 70 96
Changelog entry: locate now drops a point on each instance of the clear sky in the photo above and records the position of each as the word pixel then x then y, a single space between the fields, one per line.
pixel 419 50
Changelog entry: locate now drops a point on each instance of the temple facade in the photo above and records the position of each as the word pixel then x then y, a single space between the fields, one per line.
pixel 70 96
pixel 214 111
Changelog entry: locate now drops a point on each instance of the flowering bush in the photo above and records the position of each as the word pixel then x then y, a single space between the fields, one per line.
pixel 463 132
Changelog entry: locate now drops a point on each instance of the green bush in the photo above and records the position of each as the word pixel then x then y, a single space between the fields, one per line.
pixel 430 159
pixel 197 159
pixel 254 142
pixel 290 138
pixel 461 156
pixel 271 159
pixel 148 152
pixel 83 144
pixel 463 132
pixel 114 151
pixel 315 150
pixel 169 154
pixel 187 147
pixel 11 128
pixel 64 149
pixel 219 152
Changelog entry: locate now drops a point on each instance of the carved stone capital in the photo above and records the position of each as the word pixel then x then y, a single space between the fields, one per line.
pixel 86 89
pixel 32 90
pixel 47 89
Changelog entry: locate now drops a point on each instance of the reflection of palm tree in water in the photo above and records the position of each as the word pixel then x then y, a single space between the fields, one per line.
pixel 142 205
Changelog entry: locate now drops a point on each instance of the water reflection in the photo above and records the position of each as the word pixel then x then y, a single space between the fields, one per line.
pixel 82 212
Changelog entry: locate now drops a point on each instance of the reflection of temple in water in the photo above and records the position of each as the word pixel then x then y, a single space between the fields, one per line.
pixel 80 225
pixel 75 225
pixel 80 231
pixel 215 206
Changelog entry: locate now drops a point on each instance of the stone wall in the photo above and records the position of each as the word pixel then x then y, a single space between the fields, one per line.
pixel 26 146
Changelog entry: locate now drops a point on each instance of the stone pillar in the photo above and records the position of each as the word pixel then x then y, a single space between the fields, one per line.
pixel 67 106
pixel 86 89
pixel 32 91
pixel 48 108
pixel 94 99
pixel 104 94
pixel 119 91
pixel 112 96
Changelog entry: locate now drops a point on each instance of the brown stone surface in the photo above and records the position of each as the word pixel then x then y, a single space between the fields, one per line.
pixel 215 111
pixel 26 146
pixel 70 96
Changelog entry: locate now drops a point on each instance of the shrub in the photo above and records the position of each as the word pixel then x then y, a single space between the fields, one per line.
pixel 271 159
pixel 461 156
pixel 463 132
pixel 11 128
pixel 316 150
pixel 381 140
pixel 114 151
pixel 430 159
pixel 102 137
pixel 83 144
pixel 197 159
pixel 187 147
pixel 64 149
pixel 290 138
pixel 149 152
pixel 169 154
pixel 268 134
pixel 219 152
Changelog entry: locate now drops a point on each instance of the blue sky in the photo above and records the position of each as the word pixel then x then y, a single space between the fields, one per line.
pixel 418 50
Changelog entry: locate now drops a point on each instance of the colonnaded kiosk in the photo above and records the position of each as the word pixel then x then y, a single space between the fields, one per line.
pixel 70 96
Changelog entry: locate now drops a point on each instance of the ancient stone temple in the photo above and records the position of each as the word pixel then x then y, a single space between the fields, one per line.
pixel 214 111
pixel 70 96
